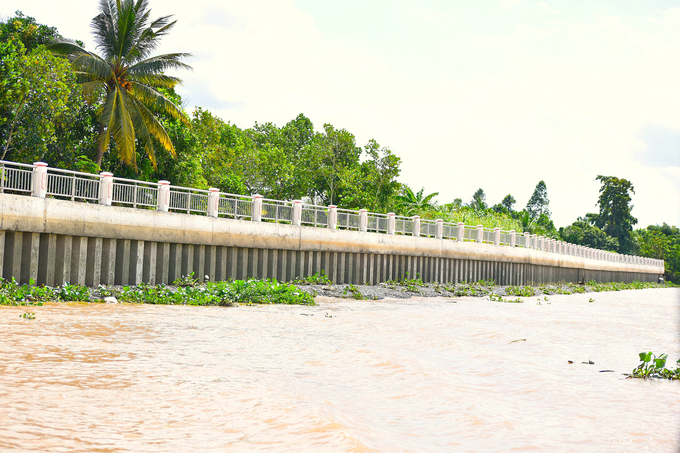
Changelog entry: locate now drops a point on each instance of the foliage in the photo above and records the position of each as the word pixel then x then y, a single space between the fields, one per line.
pixel 37 94
pixel 615 217
pixel 538 203
pixel 12 293
pixel 478 202
pixel 315 279
pixel 353 292
pixel 214 293
pixel 652 366
pixel 583 233
pixel 661 242
pixel 410 203
pixel 127 77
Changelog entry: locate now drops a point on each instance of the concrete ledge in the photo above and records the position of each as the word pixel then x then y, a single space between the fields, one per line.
pixel 38 215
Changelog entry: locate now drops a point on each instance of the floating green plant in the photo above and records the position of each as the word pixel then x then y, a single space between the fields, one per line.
pixel 652 366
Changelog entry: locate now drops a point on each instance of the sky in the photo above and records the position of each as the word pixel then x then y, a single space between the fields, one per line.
pixel 491 94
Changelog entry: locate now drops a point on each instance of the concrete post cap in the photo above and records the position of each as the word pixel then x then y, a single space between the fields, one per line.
pixel 294 201
pixel 439 221
pixel 257 195
pixel 480 226
pixel 213 189
pixel 40 164
pixel 416 217
pixel 363 210
pixel 497 229
pixel 332 206
pixel 391 214
pixel 164 183
pixel 106 174
pixel 461 223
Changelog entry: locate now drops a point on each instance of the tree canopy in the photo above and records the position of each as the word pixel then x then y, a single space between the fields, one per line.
pixel 539 204
pixel 615 216
pixel 127 77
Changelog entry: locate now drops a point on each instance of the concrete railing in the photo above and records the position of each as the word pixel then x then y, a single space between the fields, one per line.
pixel 39 180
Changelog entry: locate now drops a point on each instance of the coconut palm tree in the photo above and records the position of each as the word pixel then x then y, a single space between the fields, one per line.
pixel 127 77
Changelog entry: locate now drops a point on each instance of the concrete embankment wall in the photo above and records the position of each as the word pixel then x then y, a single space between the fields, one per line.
pixel 54 241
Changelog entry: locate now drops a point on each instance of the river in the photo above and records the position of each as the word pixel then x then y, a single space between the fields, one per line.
pixel 417 375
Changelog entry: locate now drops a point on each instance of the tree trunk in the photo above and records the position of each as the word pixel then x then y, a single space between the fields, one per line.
pixel 100 145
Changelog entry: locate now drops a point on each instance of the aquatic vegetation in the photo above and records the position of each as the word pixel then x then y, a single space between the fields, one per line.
pixel 523 291
pixel 213 293
pixel 316 279
pixel 12 293
pixel 353 292
pixel 186 281
pixel 652 366
pixel 496 298
pixel 412 285
pixel 28 315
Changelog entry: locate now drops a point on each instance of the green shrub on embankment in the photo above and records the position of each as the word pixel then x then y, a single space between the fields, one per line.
pixel 187 292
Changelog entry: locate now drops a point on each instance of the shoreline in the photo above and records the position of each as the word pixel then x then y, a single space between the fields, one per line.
pixel 188 291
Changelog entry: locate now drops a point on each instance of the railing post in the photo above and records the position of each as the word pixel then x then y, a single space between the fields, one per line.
pixel 527 240
pixel 39 179
pixel 256 215
pixel 363 220
pixel 513 238
pixel 497 236
pixel 213 201
pixel 534 242
pixel 391 222
pixel 540 244
pixel 439 234
pixel 163 196
pixel 416 225
pixel 480 233
pixel 106 188
pixel 297 212
pixel 461 231
pixel 332 217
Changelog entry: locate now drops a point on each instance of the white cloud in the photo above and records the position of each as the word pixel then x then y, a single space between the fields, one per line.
pixel 508 4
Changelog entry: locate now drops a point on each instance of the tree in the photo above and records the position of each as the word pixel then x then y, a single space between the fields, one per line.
pixel 583 233
pixel 538 203
pixel 661 242
pixel 337 154
pixel 478 202
pixel 410 203
pixel 127 77
pixel 615 217
pixel 372 184
pixel 508 202
pixel 39 99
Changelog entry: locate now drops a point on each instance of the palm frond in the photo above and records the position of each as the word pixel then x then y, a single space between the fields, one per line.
pixel 156 128
pixel 142 130
pixel 159 63
pixel 152 97
pixel 158 80
pixel 122 129
pixel 107 119
pixel 93 65
pixel 103 27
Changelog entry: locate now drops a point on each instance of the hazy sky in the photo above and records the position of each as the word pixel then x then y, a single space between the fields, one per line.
pixel 496 94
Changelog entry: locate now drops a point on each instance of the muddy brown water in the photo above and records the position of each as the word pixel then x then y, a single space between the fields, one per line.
pixel 418 375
